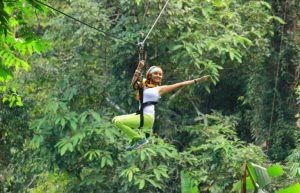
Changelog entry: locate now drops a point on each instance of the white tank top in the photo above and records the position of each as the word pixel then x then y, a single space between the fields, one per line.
pixel 150 94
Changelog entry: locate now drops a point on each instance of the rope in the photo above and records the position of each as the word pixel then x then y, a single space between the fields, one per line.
pixel 155 22
pixel 140 45
pixel 84 23
pixel 141 50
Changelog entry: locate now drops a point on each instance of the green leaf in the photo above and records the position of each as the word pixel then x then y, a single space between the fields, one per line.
pixel 281 21
pixel 291 189
pixel 4 99
pixel 53 107
pixel 130 176
pixel 57 120
pixel 219 3
pixel 70 147
pixel 231 55
pixel 30 50
pixel 143 156
pixel 157 173
pixel 36 141
pixel 109 161
pixel 19 101
pixel 12 100
pixel 153 183
pixel 5 75
pixel 96 116
pixel 164 173
pixel 275 171
pixel 63 150
pixel 267 5
pixel 24 64
pixel 82 117
pixel 91 156
pixel 138 2
pixel 73 125
pixel 77 138
pixel 103 161
pixel 62 122
pixel 142 184
pixel 174 48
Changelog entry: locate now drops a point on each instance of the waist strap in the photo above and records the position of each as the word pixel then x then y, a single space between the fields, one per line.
pixel 141 111
pixel 149 103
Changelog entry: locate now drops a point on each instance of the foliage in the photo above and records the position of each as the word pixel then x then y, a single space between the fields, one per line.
pixel 86 145
pixel 214 153
pixel 293 160
pixel 62 134
pixel 217 39
pixel 259 177
pixel 51 182
pixel 18 42
pixel 270 113
pixel 18 164
pixel 187 185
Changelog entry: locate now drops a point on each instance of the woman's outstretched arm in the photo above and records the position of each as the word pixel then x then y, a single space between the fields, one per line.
pixel 137 73
pixel 168 88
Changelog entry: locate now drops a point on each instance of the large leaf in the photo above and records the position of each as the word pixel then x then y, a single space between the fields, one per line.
pixel 292 189
pixel 259 174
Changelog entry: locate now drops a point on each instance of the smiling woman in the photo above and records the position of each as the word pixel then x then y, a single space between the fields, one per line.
pixel 154 75
pixel 149 92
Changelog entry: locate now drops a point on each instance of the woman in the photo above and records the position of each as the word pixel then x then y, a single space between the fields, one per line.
pixel 150 92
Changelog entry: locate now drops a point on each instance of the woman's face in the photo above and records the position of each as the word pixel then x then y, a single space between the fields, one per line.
pixel 156 76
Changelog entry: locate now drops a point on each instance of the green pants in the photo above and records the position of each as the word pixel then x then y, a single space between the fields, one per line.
pixel 129 124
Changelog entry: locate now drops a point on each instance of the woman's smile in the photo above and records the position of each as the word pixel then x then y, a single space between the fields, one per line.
pixel 157 76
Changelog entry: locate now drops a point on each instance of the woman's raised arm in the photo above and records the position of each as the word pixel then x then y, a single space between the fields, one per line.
pixel 137 73
pixel 168 88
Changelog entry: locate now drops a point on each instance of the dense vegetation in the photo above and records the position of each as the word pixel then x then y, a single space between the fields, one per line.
pixel 61 83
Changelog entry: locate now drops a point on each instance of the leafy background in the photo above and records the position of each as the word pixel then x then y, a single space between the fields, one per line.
pixel 61 83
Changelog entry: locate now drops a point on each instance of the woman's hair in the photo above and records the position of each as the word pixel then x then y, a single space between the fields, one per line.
pixel 151 70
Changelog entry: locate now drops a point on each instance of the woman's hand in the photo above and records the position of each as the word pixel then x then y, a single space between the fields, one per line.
pixel 137 73
pixel 203 78
pixel 168 88
pixel 141 64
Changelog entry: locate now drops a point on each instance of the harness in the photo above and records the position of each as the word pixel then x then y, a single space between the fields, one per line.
pixel 142 85
pixel 140 111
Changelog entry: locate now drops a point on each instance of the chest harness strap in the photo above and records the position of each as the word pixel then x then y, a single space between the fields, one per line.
pixel 142 106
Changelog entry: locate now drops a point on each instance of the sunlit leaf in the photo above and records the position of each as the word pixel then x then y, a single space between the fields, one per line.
pixel 275 170
pixel 291 189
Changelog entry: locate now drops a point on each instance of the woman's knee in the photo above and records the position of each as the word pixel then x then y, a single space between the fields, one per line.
pixel 117 120
pixel 114 120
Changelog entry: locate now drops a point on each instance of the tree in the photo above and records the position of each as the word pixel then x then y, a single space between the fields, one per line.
pixel 18 42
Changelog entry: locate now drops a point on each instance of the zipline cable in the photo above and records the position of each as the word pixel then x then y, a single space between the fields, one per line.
pixel 84 22
pixel 142 43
